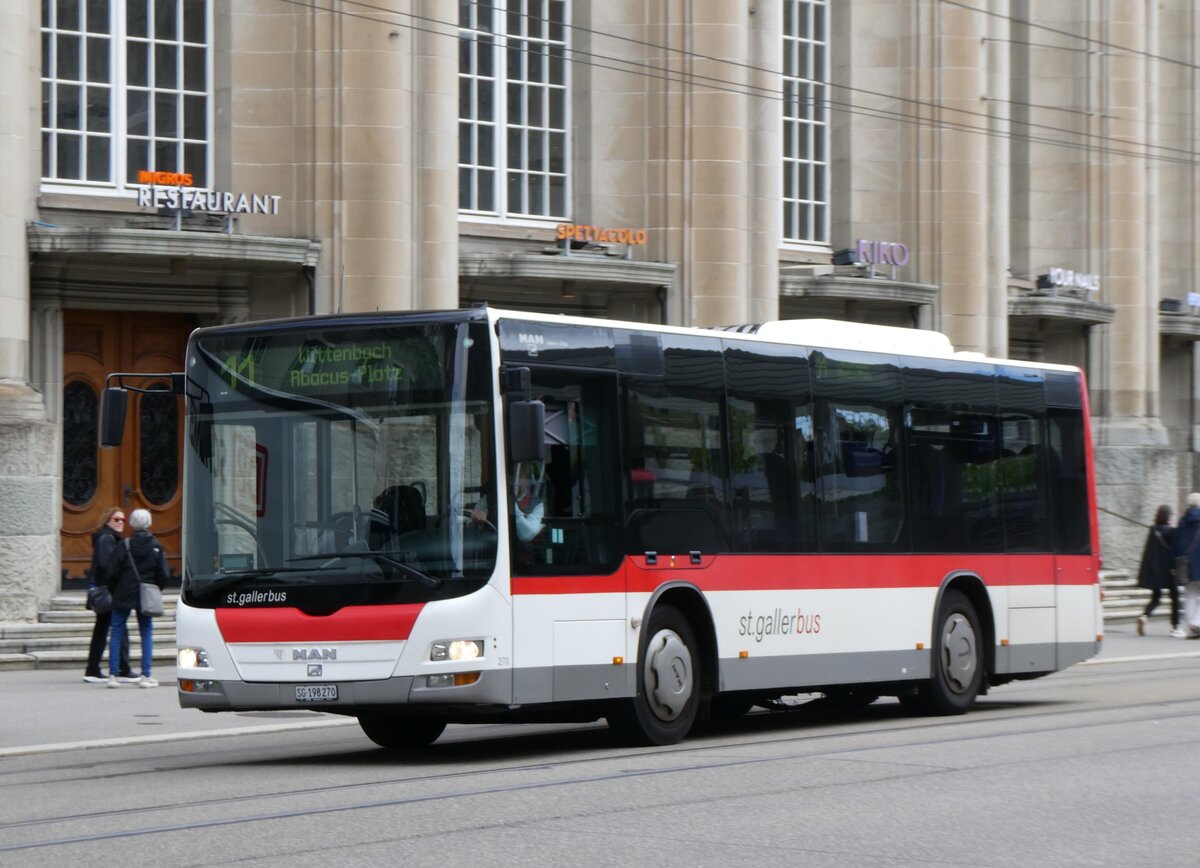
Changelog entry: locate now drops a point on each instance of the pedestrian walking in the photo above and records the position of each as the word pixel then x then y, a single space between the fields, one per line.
pixel 144 561
pixel 1157 570
pixel 1187 564
pixel 104 548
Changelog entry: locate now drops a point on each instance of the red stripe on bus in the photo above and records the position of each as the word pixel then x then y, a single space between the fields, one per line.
pixel 818 572
pixel 353 623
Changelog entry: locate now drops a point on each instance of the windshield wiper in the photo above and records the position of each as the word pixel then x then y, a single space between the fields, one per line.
pixel 384 557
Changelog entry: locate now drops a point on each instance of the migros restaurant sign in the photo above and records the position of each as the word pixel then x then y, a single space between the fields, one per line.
pixel 174 190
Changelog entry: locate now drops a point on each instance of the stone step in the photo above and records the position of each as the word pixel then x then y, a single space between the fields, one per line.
pixel 70 643
pixel 73 602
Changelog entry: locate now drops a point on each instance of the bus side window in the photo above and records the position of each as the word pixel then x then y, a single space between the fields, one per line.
pixel 1023 485
pixel 862 502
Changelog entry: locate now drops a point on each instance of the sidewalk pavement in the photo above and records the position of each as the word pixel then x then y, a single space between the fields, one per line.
pixel 44 710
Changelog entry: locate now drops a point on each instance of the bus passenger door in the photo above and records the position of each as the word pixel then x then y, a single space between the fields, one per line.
pixel 1032 631
pixel 568 591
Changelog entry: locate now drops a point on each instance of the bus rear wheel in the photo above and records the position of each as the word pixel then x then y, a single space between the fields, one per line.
pixel 400 731
pixel 957 660
pixel 668 683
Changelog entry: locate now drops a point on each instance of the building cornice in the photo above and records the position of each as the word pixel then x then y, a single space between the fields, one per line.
pixel 583 268
pixel 114 241
pixel 1179 325
pixel 802 282
pixel 1061 308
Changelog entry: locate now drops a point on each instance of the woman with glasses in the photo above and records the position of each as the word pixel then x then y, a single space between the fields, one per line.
pixel 105 543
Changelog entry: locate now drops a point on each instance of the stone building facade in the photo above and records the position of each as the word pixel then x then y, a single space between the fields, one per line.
pixel 1019 175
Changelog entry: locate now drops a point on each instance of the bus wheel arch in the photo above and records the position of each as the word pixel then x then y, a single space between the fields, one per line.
pixel 971 586
pixel 961 653
pixel 675 671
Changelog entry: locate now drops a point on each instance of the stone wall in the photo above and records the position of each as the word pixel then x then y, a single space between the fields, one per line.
pixel 30 504
pixel 1131 483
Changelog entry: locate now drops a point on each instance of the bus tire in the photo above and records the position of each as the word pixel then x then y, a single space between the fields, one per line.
pixel 957 662
pixel 400 731
pixel 668 683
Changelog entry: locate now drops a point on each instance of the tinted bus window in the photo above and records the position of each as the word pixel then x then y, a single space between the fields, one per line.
pixel 675 459
pixel 954 481
pixel 771 449
pixel 1070 493
pixel 858 415
pixel 1023 471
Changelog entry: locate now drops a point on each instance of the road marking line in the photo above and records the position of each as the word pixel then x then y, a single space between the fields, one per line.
pixel 1181 655
pixel 170 737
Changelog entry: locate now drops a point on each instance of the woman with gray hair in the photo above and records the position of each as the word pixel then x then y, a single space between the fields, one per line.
pixel 142 561
pixel 1187 560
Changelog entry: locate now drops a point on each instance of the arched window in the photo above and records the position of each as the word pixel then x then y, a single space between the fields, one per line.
pixel 159 432
pixel 79 442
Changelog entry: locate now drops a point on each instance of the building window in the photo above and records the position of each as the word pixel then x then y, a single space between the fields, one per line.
pixel 126 87
pixel 806 121
pixel 512 107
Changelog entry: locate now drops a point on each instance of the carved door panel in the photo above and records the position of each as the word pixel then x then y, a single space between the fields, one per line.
pixel 146 471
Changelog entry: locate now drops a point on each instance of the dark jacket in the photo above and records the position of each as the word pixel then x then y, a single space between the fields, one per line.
pixel 104 550
pixel 146 552
pixel 1158 558
pixel 1187 542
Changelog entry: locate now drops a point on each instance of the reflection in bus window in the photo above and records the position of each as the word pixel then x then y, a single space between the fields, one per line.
pixel 858 486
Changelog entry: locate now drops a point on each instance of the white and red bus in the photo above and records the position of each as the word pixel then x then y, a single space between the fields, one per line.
pixel 422 518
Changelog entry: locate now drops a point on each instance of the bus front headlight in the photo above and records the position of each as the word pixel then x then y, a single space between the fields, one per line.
pixel 193 658
pixel 458 649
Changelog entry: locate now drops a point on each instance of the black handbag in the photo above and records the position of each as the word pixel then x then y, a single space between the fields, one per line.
pixel 99 599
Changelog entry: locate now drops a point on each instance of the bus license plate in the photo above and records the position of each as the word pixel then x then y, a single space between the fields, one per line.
pixel 316 693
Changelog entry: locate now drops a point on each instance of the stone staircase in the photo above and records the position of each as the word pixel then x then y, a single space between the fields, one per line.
pixel 62 634
pixel 1124 600
pixel 60 638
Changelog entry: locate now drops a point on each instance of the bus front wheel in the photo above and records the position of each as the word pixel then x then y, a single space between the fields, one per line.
pixel 401 732
pixel 668 683
pixel 957 659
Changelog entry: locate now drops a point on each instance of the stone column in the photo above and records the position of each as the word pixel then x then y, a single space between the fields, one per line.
pixel 357 118
pixel 718 214
pixel 999 178
pixel 960 165
pixel 30 503
pixel 435 223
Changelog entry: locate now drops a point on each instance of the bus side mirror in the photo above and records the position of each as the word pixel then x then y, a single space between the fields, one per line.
pixel 113 402
pixel 526 431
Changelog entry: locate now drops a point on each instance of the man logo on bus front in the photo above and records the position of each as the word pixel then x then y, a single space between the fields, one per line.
pixel 314 654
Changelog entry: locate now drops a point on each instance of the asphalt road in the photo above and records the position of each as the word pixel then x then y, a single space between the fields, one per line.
pixel 1092 766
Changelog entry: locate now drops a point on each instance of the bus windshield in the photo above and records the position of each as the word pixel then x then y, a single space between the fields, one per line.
pixel 337 464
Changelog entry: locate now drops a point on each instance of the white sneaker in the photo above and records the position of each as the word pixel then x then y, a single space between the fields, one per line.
pixel 95 679
pixel 1141 625
pixel 147 681
pixel 113 682
pixel 1178 633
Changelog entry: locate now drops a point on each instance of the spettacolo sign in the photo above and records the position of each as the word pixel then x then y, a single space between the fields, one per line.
pixel 174 190
pixel 600 234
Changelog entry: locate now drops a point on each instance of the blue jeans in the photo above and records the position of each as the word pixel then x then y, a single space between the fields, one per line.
pixel 120 629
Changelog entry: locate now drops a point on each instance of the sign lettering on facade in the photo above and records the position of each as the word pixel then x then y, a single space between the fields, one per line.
pixel 882 252
pixel 173 190
pixel 1068 279
pixel 600 234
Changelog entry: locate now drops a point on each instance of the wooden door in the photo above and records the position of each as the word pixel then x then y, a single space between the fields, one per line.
pixel 146 471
